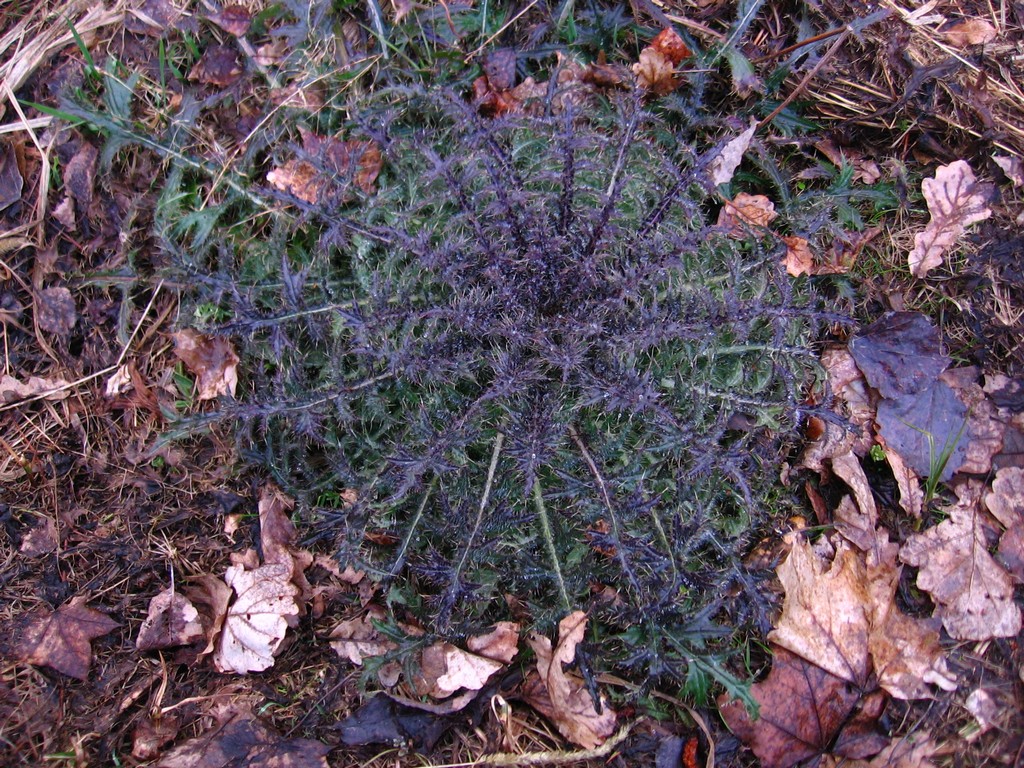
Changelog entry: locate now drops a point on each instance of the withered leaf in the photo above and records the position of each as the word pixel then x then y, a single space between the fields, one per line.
pixel 12 390
pixel 802 709
pixel 233 19
pixel 799 260
pixel 62 639
pixel 973 595
pixel 928 429
pixel 728 160
pixel 445 669
pixel 1012 166
pixel 955 201
pixel 900 353
pixel 338 163
pixel 969 32
pixel 151 734
pixel 218 66
pixel 172 621
pixel 210 596
pixel 745 211
pixel 669 43
pixel 212 359
pixel 257 621
pixel 500 644
pixel 11 182
pixel 245 741
pixel 500 68
pixel 382 720
pixel 79 175
pixel 41 539
pixel 55 310
pixel 563 698
pixel 655 72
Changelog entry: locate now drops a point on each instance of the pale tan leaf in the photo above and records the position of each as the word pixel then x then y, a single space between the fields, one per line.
pixel 445 669
pixel 909 484
pixel 955 201
pixel 212 359
pixel 257 621
pixel 172 620
pixel 357 639
pixel 973 595
pixel 745 211
pixel 1012 166
pixel 1006 499
pixel 500 644
pixel 798 259
pixel 824 617
pixel 50 389
pixel 655 72
pixel 728 160
pixel 563 698
pixel 970 32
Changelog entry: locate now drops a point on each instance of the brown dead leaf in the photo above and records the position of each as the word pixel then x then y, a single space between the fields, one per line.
pixel 172 621
pixel 864 170
pixel 233 19
pixel 669 43
pixel 984 428
pixel 802 709
pixel 62 639
pixel 445 669
pixel 745 211
pixel 500 644
pixel 909 484
pixel 955 201
pixel 273 53
pixel 218 66
pixel 151 734
pixel 357 639
pixel 41 539
pixel 798 259
pixel 973 595
pixel 722 168
pixel 240 739
pixel 563 698
pixel 969 32
pixel 257 621
pixel 354 160
pixel 210 596
pixel 824 618
pixel 212 359
pixel 1006 503
pixel 55 310
pixel 911 751
pixel 309 98
pixel 80 174
pixel 11 180
pixel 655 72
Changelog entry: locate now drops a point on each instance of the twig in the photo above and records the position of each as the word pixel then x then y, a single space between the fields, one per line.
pixel 807 78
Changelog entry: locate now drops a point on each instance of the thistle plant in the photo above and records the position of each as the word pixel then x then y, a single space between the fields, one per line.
pixel 543 369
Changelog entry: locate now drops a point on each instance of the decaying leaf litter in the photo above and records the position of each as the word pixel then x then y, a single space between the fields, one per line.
pixel 164 610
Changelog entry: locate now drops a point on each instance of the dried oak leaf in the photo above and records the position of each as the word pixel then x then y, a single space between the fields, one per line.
pixel 1012 166
pixel 745 211
pixel 172 621
pixel 55 310
pixel 1006 503
pixel 564 698
pixel 151 734
pixel 257 621
pixel 973 595
pixel 212 359
pixel 985 429
pixel 233 19
pixel 655 72
pixel 445 669
pixel 242 740
pixel 900 353
pixel 910 751
pixel 722 168
pixel 211 597
pixel 969 32
pixel 337 163
pixel 864 170
pixel 500 644
pixel 802 709
pixel 799 260
pixel 955 201
pixel 62 639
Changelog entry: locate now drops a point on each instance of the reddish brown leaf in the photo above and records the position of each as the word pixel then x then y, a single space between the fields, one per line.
pixel 655 72
pixel 969 32
pixel 745 211
pixel 798 259
pixel 212 359
pixel 233 19
pixel 802 709
pixel 62 639
pixel 357 160
pixel 671 45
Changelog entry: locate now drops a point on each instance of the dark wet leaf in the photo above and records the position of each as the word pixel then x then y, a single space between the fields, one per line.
pixel 62 639
pixel 802 709
pixel 218 66
pixel 233 19
pixel 382 720
pixel 900 353
pixel 244 741
pixel 172 621
pixel 55 310
pixel 927 429
pixel 11 182
pixel 80 175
